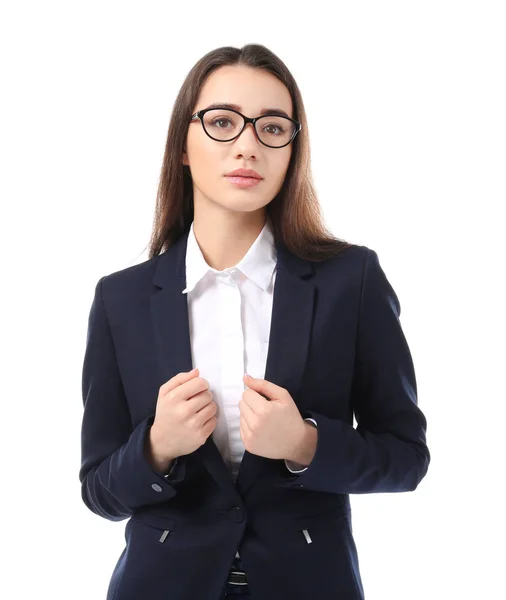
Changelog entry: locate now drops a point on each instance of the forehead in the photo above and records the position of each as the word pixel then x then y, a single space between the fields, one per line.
pixel 253 91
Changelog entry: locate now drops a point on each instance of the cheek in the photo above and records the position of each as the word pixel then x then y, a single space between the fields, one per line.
pixel 277 170
pixel 206 161
pixel 202 148
pixel 281 162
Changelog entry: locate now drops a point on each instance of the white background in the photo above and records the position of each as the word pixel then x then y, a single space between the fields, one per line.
pixel 406 108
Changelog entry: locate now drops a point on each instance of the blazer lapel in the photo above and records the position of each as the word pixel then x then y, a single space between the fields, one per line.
pixel 291 323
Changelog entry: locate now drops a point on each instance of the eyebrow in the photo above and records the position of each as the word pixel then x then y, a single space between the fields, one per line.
pixel 264 111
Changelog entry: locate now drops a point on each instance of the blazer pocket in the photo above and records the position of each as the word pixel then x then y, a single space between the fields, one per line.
pixel 338 513
pixel 163 525
pixel 315 528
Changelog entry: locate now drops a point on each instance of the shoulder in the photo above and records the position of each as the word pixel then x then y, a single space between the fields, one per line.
pixel 128 282
pixel 351 260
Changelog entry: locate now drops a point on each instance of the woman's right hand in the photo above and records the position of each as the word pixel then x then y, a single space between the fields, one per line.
pixel 184 417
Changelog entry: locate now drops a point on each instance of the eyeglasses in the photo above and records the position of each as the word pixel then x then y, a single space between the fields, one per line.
pixel 225 125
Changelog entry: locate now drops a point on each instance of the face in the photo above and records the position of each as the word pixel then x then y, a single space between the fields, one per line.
pixel 210 160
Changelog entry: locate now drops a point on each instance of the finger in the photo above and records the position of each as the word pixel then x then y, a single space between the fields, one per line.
pixel 246 414
pixel 245 428
pixel 177 380
pixel 255 401
pixel 264 387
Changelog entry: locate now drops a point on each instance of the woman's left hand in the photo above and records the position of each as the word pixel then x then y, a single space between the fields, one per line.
pixel 271 424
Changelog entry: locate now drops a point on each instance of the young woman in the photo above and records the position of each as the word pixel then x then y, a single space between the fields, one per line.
pixel 240 486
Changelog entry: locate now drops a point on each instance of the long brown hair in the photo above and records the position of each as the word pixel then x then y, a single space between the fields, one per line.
pixel 295 211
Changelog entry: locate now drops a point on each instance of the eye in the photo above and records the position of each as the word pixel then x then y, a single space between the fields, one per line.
pixel 219 120
pixel 274 125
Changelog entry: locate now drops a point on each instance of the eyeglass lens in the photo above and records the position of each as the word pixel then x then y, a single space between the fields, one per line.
pixel 224 125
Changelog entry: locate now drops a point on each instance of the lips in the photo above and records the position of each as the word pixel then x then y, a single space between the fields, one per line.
pixel 244 182
pixel 246 173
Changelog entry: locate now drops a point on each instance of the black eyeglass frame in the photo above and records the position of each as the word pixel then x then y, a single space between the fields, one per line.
pixel 200 113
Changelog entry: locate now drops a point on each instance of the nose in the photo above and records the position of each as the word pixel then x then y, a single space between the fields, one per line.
pixel 247 145
pixel 252 135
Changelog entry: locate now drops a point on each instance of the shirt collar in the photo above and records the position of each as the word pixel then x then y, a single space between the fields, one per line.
pixel 258 263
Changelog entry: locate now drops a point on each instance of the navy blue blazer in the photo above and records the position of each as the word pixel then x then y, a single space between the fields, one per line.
pixel 337 346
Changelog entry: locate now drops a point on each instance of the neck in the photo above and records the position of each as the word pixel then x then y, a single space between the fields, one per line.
pixel 224 239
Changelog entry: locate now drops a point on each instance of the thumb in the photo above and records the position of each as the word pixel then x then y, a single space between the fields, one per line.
pixel 177 380
pixel 264 387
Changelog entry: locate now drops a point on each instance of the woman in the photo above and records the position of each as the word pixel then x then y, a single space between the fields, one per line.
pixel 240 486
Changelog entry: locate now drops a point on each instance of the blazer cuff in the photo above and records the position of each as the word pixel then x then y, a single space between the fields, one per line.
pixel 131 478
pixel 294 467
pixel 172 471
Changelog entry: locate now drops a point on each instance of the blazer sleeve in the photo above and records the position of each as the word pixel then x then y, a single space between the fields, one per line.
pixel 115 476
pixel 291 465
pixel 387 452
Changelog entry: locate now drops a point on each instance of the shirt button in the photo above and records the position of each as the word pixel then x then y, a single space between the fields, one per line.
pixel 156 487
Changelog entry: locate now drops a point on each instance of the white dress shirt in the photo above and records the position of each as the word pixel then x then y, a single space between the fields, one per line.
pixel 230 319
